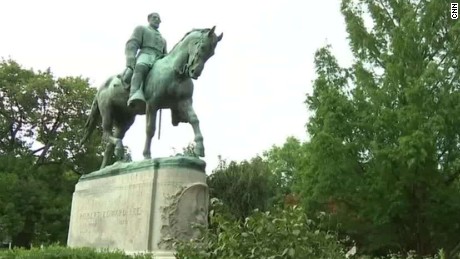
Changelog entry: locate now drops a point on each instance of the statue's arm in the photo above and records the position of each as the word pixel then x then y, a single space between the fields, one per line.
pixel 132 46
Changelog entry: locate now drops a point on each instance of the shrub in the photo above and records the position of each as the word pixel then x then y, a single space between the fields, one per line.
pixel 281 233
pixel 60 252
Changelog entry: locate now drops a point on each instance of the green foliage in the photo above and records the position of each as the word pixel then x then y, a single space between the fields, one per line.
pixel 128 154
pixel 189 150
pixel 41 123
pixel 412 255
pixel 384 158
pixel 43 117
pixel 243 186
pixel 59 252
pixel 285 163
pixel 278 234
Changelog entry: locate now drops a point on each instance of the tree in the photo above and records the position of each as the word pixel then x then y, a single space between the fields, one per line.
pixel 286 162
pixel 41 121
pixel 36 109
pixel 243 187
pixel 384 155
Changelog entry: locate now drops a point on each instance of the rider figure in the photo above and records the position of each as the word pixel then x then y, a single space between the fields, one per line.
pixel 151 46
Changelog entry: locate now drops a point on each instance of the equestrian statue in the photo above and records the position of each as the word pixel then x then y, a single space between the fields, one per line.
pixel 152 80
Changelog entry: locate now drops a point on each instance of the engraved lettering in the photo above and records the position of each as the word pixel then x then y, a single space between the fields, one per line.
pixel 110 214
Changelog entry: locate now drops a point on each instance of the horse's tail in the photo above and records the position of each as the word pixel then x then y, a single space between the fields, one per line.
pixel 92 121
pixel 94 115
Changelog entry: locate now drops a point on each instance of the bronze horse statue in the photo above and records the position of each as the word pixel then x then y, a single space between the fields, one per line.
pixel 168 85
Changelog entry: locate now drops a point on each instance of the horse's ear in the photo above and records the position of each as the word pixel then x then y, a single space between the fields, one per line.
pixel 211 32
pixel 220 36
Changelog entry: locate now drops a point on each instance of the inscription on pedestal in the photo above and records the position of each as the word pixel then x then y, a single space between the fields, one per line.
pixel 90 219
pixel 112 212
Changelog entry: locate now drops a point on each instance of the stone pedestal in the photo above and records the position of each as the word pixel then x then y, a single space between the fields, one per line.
pixel 140 206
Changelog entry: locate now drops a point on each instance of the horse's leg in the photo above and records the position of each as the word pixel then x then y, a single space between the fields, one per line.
pixel 151 114
pixel 193 120
pixel 106 134
pixel 107 126
pixel 109 148
pixel 119 134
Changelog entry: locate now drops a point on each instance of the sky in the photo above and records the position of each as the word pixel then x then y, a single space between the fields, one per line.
pixel 251 93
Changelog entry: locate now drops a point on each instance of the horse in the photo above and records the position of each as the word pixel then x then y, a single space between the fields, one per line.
pixel 168 85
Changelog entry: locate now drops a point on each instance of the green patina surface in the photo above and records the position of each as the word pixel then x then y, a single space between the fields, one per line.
pixel 163 162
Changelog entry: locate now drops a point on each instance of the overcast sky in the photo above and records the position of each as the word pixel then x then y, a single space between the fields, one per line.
pixel 251 93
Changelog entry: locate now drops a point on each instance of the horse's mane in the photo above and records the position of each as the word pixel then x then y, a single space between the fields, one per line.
pixel 185 36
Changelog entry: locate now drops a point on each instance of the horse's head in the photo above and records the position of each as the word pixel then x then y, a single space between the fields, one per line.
pixel 200 49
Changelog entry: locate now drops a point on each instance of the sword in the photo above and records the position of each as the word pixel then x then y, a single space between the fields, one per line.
pixel 159 125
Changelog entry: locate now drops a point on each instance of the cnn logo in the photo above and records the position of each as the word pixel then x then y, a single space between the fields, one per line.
pixel 454 11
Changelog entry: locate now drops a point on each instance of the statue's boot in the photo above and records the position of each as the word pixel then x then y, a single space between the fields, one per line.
pixel 137 101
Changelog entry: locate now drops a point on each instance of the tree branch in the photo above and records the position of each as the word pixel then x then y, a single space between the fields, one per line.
pixel 50 137
pixel 376 58
pixel 390 17
pixel 19 126
pixel 37 150
pixel 442 154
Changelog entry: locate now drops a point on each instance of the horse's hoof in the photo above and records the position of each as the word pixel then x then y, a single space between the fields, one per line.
pixel 119 153
pixel 120 156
